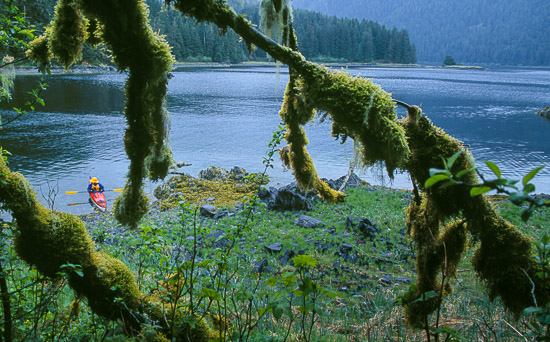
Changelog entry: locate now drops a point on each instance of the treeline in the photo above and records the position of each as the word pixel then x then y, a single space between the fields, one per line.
pixel 509 32
pixel 321 38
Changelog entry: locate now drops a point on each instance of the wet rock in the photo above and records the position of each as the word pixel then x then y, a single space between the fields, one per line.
pixel 308 222
pixel 285 199
pixel 292 200
pixel 365 227
pixel 545 113
pixel 214 173
pixel 221 214
pixel 237 173
pixel 385 280
pixel 215 235
pixel 404 280
pixel 347 247
pixel 260 266
pixel 287 256
pixel 208 210
pixel 274 248
pixel 353 182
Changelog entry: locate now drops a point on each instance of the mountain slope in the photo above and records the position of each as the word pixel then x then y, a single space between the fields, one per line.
pixel 473 31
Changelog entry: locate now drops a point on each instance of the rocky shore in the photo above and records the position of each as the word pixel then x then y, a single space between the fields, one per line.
pixel 545 113
pixel 220 193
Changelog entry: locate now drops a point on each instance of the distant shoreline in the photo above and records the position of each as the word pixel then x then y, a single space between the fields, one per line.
pixel 93 69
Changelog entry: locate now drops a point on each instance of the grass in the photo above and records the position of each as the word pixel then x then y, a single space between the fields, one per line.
pixel 349 294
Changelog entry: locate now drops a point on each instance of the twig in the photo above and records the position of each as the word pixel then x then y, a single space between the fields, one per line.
pixel 14 62
pixel 516 330
pixel 350 172
pixel 533 288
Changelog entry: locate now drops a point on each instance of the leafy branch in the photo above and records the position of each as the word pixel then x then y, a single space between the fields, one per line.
pixel 510 187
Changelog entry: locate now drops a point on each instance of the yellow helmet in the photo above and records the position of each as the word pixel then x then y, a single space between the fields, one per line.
pixel 94 180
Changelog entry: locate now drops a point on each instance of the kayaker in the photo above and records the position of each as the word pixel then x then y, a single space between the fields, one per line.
pixel 95 185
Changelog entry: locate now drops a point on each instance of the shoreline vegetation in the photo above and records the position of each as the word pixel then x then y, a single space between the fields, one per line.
pixel 365 261
pixel 91 69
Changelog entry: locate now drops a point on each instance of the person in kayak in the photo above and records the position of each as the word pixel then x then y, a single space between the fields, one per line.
pixel 95 185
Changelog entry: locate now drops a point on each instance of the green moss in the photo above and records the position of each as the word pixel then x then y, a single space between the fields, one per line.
pixel 125 30
pixel 68 32
pixel 361 110
pixel 503 260
pixel 225 191
pixel 131 206
pixel 179 321
pixel 39 51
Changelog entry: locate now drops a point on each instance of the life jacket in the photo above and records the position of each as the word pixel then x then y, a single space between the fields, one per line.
pixel 95 187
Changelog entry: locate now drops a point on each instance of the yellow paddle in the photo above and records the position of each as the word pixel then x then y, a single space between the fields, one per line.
pixel 80 192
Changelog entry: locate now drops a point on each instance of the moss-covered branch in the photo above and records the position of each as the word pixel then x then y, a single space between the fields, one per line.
pixel 503 259
pixel 48 240
pixel 123 27
pixel 363 111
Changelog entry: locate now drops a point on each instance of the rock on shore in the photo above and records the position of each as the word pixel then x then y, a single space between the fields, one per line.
pixel 545 113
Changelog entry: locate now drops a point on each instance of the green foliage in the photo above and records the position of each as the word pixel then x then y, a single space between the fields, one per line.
pixel 322 38
pixel 445 177
pixel 473 31
pixel 449 61
pixel 15 30
pixel 67 33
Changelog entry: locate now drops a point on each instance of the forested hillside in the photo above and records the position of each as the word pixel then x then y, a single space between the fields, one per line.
pixel 512 32
pixel 322 38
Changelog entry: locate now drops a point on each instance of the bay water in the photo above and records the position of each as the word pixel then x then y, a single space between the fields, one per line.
pixel 226 117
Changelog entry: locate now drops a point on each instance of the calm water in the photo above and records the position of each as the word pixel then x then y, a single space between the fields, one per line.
pixel 226 116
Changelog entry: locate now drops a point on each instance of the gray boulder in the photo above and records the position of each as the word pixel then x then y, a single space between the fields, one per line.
pixel 308 222
pixel 208 210
pixel 237 173
pixel 214 173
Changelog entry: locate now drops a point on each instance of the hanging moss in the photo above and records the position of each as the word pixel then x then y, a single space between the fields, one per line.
pixel 295 112
pixel 504 258
pixel 131 205
pixel 68 32
pixel 93 32
pixel 125 30
pixel 39 52
pixel 361 110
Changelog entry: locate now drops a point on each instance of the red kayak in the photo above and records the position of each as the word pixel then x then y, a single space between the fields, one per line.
pixel 97 200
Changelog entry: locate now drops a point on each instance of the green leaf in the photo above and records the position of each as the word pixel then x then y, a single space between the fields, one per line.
pixel 464 172
pixel 517 197
pixel 210 293
pixel 280 307
pixel 478 190
pixel 449 183
pixel 434 172
pixel 426 296
pixel 531 175
pixel 435 179
pixel 453 159
pixel 494 168
pixel 532 310
pixel 304 261
pixel 530 187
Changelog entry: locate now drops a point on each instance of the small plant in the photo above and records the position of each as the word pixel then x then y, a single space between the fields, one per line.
pixel 540 325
